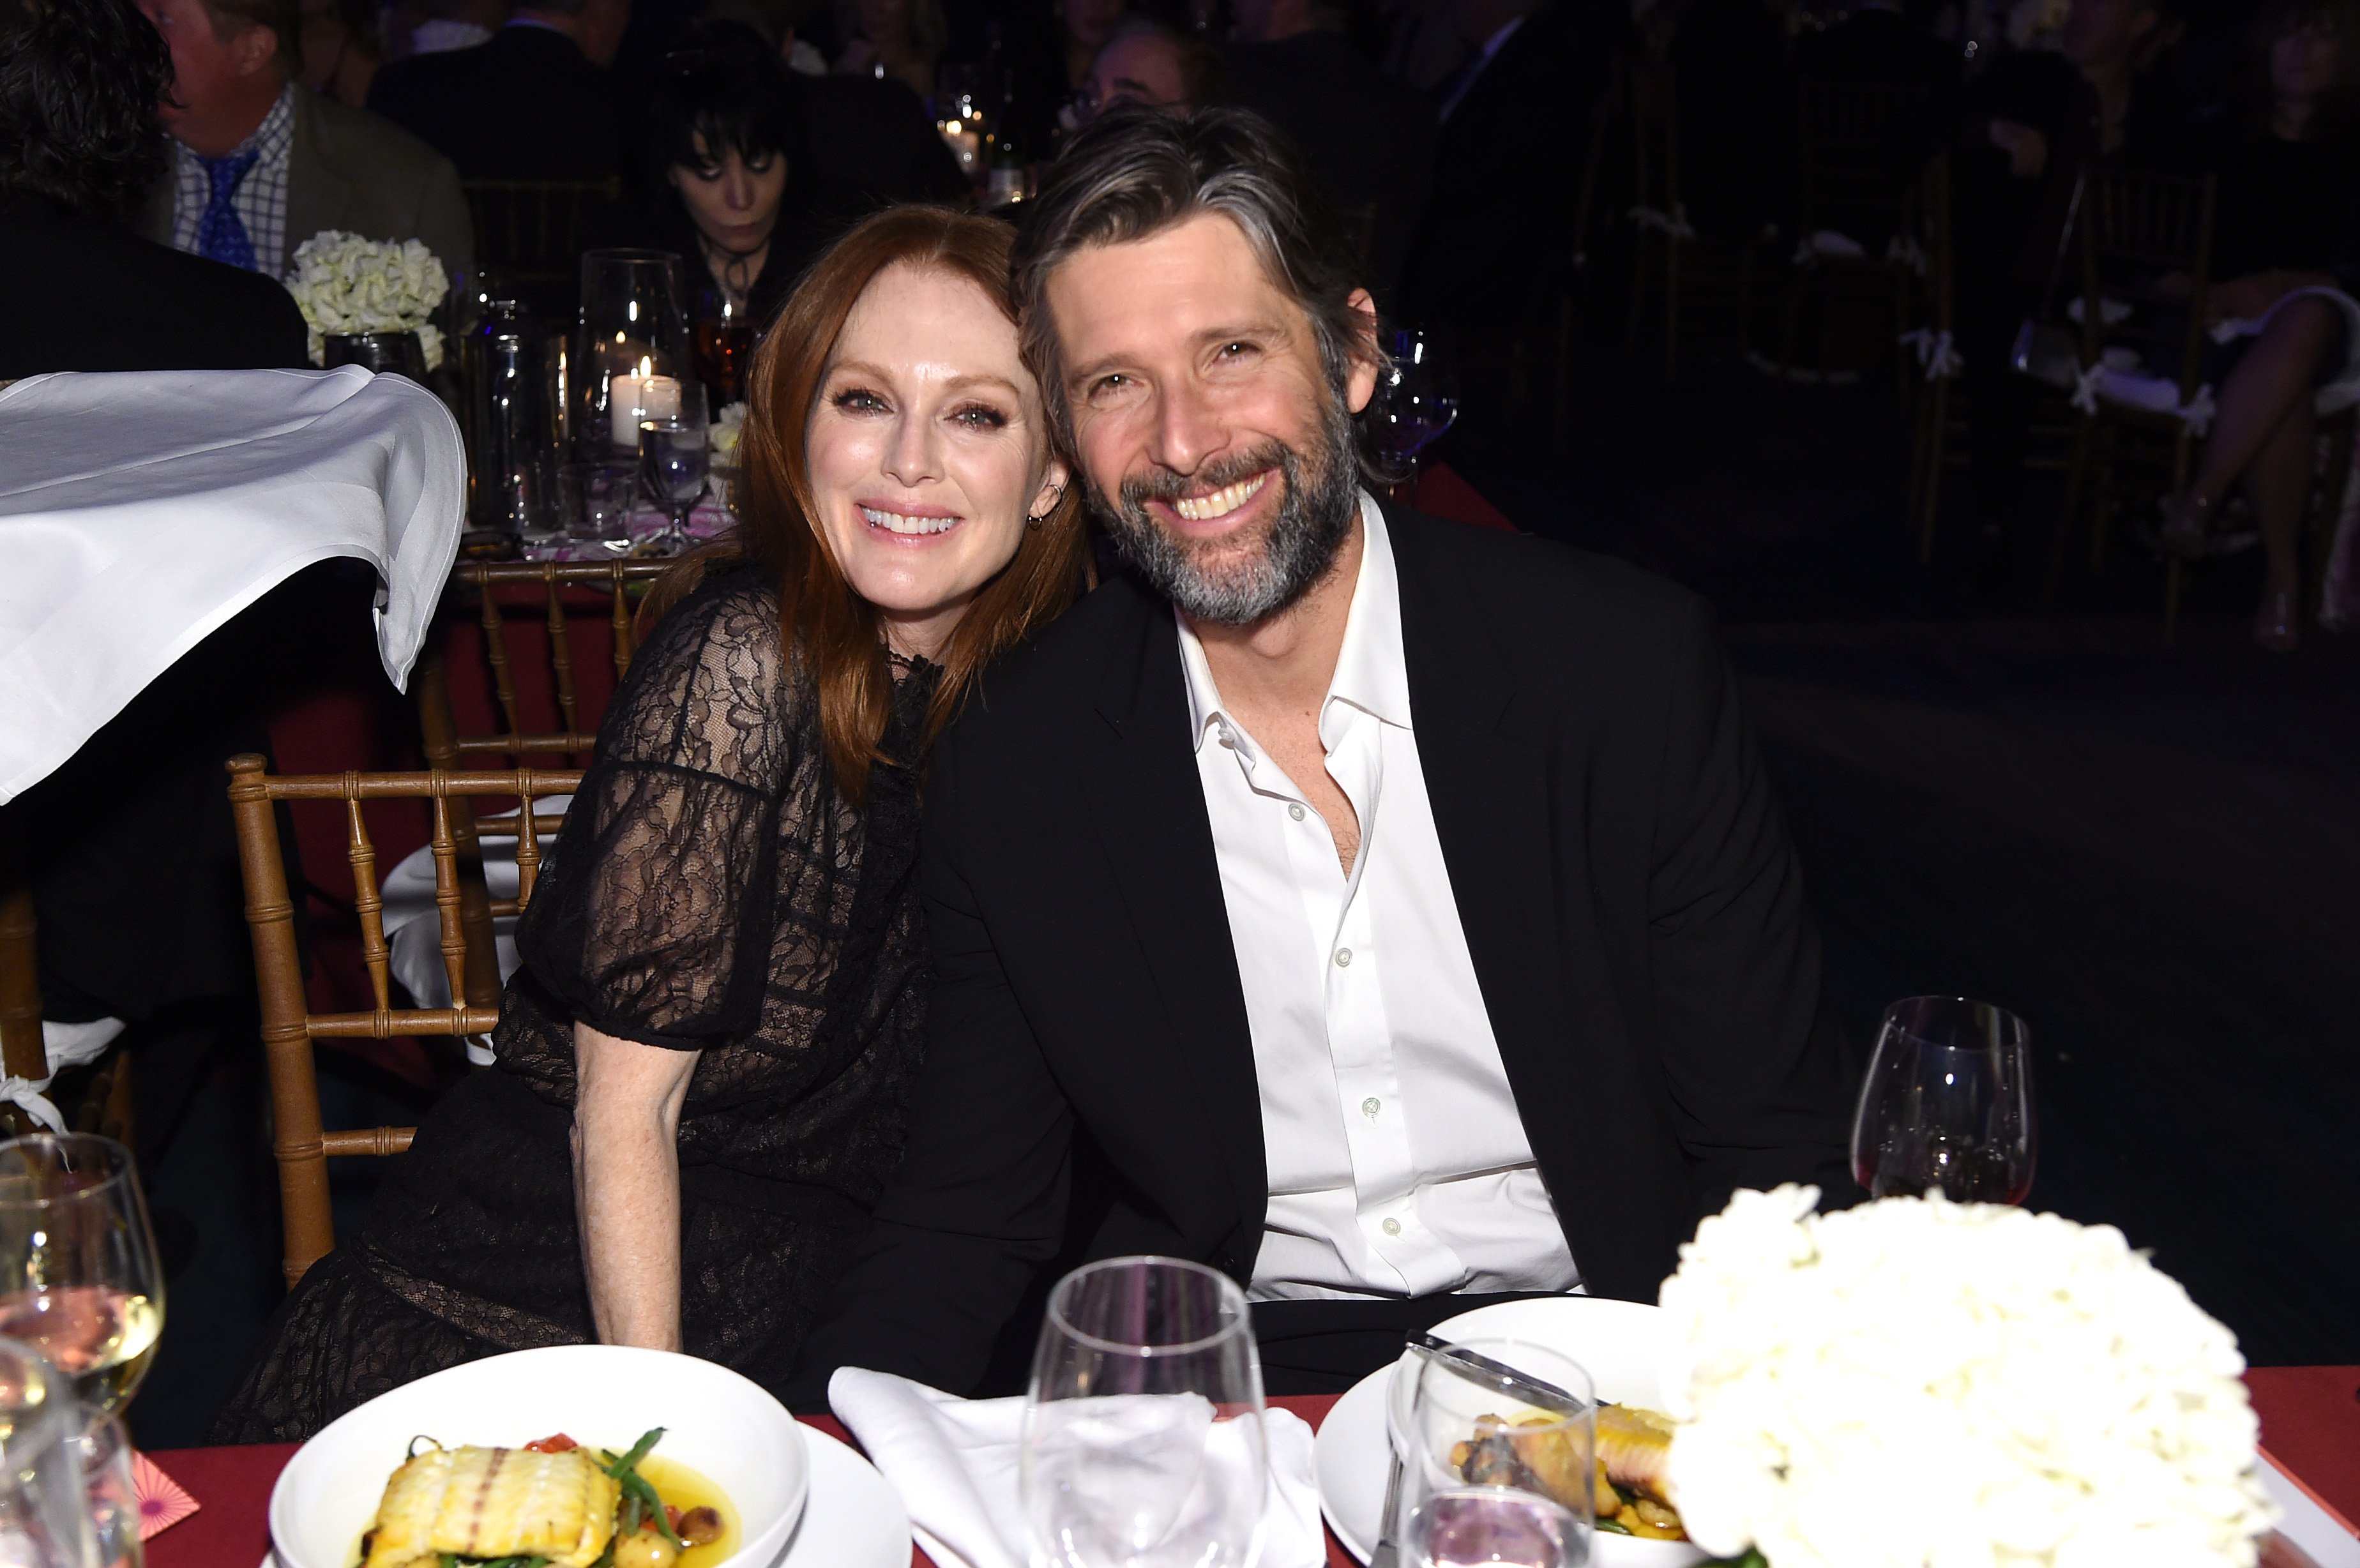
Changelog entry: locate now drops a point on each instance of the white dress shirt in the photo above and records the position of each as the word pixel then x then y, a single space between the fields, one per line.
pixel 1398 1163
pixel 260 198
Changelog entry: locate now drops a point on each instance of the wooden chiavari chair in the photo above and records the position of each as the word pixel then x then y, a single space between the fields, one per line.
pixel 564 590
pixel 1670 254
pixel 1848 182
pixel 2142 224
pixel 289 1026
pixel 106 1105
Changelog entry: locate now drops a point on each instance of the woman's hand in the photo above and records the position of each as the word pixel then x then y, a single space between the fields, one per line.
pixel 627 1184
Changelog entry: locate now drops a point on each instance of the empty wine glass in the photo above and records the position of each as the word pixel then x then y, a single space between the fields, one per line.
pixel 1416 399
pixel 1143 1443
pixel 78 1279
pixel 674 465
pixel 1946 1106
pixel 1499 1447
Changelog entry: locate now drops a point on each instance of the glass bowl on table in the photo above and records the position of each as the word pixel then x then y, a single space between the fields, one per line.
pixel 633 356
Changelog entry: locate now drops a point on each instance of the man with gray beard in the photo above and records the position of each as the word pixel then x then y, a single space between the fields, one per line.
pixel 1389 914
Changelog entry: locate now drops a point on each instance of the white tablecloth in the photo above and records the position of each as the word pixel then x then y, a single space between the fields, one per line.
pixel 140 511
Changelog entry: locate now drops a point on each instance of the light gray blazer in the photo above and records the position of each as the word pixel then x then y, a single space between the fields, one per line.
pixel 347 169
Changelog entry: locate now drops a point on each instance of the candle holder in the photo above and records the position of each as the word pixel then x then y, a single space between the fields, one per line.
pixel 632 358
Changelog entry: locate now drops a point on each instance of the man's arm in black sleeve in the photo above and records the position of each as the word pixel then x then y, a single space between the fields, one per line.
pixel 1761 1077
pixel 978 1203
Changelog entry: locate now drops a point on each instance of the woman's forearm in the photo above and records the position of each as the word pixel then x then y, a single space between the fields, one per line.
pixel 627 1184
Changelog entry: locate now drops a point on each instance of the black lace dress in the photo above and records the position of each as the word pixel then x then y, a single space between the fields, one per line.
pixel 710 890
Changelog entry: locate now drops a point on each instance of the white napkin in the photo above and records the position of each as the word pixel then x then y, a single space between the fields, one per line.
pixel 954 1461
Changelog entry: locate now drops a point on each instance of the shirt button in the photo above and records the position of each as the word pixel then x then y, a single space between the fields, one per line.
pixel 1343 958
pixel 1294 812
pixel 1370 1107
pixel 1391 1227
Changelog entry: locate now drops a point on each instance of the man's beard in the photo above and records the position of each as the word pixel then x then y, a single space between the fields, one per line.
pixel 1237 583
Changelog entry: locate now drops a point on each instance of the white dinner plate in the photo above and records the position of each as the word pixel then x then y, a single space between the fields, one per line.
pixel 716 1421
pixel 1617 1342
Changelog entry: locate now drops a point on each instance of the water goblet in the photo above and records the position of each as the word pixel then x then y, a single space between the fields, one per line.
pixel 674 465
pixel 1143 1443
pixel 1946 1105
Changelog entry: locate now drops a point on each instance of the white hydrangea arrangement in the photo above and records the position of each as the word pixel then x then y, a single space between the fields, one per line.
pixel 1921 1384
pixel 347 284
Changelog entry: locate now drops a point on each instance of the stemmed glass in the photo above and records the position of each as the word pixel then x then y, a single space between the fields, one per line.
pixel 1416 399
pixel 45 1510
pixel 1946 1106
pixel 674 465
pixel 1143 1443
pixel 78 1277
pixel 1501 1442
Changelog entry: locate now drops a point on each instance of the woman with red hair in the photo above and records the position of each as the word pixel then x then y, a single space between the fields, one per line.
pixel 704 1063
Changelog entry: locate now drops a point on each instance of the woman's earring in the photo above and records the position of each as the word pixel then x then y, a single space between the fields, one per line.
pixel 1034 521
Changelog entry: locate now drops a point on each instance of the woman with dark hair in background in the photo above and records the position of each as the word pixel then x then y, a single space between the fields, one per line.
pixel 722 145
pixel 2286 250
pixel 704 1064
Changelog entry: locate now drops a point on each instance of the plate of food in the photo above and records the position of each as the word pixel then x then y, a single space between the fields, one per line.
pixel 570 1456
pixel 1619 1343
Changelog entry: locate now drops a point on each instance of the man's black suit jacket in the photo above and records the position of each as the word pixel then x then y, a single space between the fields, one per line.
pixel 1631 905
pixel 524 104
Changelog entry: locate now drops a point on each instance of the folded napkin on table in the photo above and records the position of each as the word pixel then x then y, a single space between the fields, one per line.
pixel 954 1461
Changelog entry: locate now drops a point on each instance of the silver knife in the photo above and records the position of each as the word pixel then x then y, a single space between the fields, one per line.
pixel 1499 1374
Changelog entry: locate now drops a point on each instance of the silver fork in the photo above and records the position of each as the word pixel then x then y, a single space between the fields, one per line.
pixel 1387 1553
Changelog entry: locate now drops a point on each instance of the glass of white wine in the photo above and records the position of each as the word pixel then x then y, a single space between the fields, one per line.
pixel 79 1276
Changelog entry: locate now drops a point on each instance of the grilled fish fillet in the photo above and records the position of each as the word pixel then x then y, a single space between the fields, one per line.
pixel 495 1502
pixel 1636 1447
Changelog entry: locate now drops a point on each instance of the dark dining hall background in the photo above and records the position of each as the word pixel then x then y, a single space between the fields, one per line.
pixel 1987 365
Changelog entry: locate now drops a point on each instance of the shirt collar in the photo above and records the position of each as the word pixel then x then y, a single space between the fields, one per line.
pixel 1371 673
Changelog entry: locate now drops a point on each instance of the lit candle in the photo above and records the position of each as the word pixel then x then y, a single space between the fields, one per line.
pixel 645 395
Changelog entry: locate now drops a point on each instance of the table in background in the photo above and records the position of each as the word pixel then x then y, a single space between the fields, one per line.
pixel 2310 1423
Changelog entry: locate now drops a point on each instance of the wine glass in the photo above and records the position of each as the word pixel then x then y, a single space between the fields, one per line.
pixel 78 1279
pixel 1946 1106
pixel 45 1512
pixel 673 464
pixel 1501 1443
pixel 113 1490
pixel 1416 400
pixel 1143 1443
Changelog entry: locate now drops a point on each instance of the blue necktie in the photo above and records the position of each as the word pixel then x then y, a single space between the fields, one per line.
pixel 221 233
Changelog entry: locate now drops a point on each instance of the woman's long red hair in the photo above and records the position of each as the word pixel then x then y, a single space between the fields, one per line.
pixel 835 634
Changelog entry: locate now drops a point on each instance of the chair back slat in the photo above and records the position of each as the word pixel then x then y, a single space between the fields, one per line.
pixel 496 649
pixel 625 630
pixel 1848 175
pixel 2146 225
pixel 290 1027
pixel 23 1052
pixel 561 655
pixel 368 903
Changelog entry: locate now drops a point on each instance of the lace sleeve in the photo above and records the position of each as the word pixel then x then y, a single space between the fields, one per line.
pixel 652 921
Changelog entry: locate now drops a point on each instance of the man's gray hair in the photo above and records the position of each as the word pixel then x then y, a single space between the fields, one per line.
pixel 1134 171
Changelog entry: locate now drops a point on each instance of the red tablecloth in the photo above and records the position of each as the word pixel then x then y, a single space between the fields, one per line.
pixel 2310 1425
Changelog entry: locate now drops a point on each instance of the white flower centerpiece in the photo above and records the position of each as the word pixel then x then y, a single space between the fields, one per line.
pixel 1921 1384
pixel 345 284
